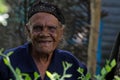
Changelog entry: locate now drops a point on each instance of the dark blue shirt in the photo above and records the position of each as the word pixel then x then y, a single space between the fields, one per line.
pixel 22 59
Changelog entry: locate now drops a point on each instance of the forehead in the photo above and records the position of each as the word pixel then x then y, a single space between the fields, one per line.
pixel 43 18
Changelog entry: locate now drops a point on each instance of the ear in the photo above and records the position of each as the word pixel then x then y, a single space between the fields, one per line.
pixel 27 28
pixel 61 33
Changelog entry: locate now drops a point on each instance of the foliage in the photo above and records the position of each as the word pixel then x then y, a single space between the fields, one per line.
pixel 108 67
pixel 3 7
pixel 16 72
pixel 116 78
pixel 83 77
pixel 3 13
pixel 55 76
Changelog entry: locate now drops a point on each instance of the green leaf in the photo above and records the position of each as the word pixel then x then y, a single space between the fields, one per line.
pixel 18 71
pixel 28 77
pixel 107 62
pixel 49 74
pixel 63 63
pixel 3 7
pixel 10 53
pixel 6 61
pixel 108 68
pixel 113 63
pixel 103 71
pixel 67 75
pixel 36 75
pixel 56 76
pixel 98 77
pixel 80 70
pixel 116 77
pixel 88 76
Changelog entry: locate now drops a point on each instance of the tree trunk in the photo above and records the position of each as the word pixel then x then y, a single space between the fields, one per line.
pixel 94 30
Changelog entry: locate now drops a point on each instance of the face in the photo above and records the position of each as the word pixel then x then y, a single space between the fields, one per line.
pixel 45 32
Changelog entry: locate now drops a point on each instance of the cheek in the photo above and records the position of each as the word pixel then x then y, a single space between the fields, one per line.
pixel 55 36
pixel 58 37
pixel 33 35
pixel 60 34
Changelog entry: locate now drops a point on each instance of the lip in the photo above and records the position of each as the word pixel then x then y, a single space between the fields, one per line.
pixel 44 41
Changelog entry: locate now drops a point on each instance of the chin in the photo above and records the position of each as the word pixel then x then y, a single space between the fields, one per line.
pixel 45 51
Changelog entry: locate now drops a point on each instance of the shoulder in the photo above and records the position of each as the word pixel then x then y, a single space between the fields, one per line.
pixel 69 57
pixel 17 54
pixel 15 51
pixel 64 53
pixel 14 58
pixel 18 49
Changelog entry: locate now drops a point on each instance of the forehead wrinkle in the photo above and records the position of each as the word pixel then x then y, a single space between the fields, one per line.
pixel 44 18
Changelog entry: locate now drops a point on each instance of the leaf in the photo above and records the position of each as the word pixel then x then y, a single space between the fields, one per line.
pixel 36 75
pixel 3 7
pixel 63 63
pixel 6 61
pixel 67 75
pixel 108 68
pixel 68 65
pixel 88 76
pixel 10 53
pixel 56 76
pixel 113 63
pixel 80 70
pixel 103 71
pixel 107 61
pixel 116 77
pixel 28 77
pixel 18 71
pixel 49 74
pixel 98 77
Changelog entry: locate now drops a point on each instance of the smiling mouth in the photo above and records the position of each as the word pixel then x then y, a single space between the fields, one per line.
pixel 44 41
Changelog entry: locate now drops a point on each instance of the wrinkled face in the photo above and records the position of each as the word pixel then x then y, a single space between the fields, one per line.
pixel 45 32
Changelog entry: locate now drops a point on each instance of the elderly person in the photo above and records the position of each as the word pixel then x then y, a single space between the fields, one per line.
pixel 45 30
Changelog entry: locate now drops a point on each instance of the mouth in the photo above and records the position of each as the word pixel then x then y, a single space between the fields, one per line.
pixel 44 42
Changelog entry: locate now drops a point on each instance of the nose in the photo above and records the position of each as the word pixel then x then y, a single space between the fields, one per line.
pixel 44 32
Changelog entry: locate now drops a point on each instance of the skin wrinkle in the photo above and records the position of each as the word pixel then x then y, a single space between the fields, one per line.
pixel 45 32
pixel 62 41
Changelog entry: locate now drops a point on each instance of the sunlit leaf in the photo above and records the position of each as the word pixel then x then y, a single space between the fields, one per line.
pixel 113 63
pixel 36 75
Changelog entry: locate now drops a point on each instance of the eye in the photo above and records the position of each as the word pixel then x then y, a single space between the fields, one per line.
pixel 52 28
pixel 37 28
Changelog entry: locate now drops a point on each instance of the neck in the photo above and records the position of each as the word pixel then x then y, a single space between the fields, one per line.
pixel 42 63
pixel 41 57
